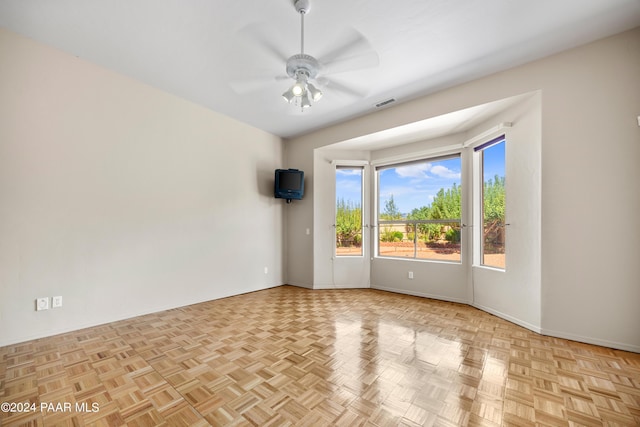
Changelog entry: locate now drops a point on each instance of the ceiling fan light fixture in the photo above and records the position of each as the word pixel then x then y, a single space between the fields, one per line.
pixel 298 89
pixel 302 92
pixel 304 101
pixel 300 86
pixel 315 93
pixel 289 95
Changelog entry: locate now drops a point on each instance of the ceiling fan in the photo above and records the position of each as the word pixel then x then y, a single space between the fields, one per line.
pixel 353 53
pixel 302 68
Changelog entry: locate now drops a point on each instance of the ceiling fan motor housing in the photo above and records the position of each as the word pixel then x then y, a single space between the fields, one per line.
pixel 302 6
pixel 303 62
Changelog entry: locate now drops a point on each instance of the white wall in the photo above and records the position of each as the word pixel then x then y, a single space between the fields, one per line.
pixel 591 193
pixel 515 293
pixel 123 199
pixel 590 151
pixel 298 218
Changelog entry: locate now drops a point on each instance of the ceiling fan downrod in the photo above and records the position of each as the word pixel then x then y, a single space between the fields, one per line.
pixel 302 7
pixel 302 13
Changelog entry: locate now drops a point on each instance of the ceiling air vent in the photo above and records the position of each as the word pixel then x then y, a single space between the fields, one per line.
pixel 385 103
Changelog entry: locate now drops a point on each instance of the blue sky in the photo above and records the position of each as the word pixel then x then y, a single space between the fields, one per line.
pixel 494 158
pixel 349 185
pixel 415 185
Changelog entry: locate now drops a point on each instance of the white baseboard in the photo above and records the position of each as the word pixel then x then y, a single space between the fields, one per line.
pixel 519 322
pixel 591 340
pixel 421 294
pixel 332 286
pixel 535 328
pixel 300 285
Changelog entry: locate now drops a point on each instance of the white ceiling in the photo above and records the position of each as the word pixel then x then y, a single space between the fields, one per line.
pixel 200 49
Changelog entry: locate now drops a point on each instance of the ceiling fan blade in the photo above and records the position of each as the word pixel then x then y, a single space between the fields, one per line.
pixel 351 43
pixel 253 84
pixel 262 36
pixel 335 86
pixel 352 63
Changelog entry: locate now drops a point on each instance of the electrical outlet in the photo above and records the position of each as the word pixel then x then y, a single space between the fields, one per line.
pixel 42 304
pixel 56 302
pixel 266 270
pixel 410 275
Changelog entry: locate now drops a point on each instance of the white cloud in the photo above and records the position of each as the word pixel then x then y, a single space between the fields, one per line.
pixel 349 172
pixel 418 170
pixel 397 191
pixel 444 172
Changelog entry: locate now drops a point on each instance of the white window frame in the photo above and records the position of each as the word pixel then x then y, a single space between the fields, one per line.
pixel 478 198
pixel 436 154
pixel 353 164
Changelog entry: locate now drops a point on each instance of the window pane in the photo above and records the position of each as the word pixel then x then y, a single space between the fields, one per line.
pixel 419 206
pixel 439 241
pixel 349 211
pixel 493 206
pixel 396 240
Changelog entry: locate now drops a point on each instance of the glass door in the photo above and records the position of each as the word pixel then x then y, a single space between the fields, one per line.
pixel 351 241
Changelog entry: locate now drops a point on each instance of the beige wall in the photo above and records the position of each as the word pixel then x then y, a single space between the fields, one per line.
pixel 590 100
pixel 123 199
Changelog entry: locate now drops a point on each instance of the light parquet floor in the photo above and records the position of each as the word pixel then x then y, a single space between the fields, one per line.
pixel 291 356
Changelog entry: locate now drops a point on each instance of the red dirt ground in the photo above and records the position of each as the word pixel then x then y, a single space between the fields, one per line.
pixel 440 253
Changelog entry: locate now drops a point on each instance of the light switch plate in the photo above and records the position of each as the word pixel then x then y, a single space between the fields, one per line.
pixel 56 302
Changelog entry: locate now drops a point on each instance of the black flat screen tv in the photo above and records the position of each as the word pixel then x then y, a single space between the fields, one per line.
pixel 289 184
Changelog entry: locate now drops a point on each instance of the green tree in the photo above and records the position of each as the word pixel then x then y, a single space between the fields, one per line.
pixel 494 212
pixel 391 211
pixel 445 205
pixel 494 201
pixel 348 223
pixel 426 231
